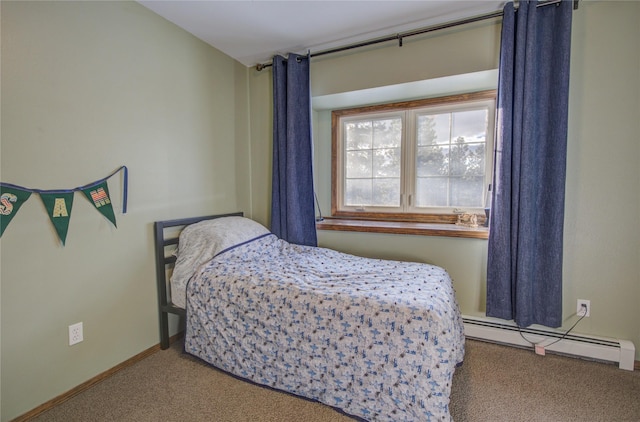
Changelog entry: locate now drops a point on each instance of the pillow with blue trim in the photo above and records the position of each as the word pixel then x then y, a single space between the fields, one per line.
pixel 200 242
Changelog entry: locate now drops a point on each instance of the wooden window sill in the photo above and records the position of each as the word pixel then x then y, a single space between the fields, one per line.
pixel 403 227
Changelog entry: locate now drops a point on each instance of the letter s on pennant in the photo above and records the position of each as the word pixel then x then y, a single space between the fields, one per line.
pixel 6 206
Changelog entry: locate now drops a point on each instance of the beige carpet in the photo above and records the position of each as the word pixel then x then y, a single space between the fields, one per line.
pixel 496 383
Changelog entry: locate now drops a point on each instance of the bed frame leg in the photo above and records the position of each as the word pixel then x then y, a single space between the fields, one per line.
pixel 164 330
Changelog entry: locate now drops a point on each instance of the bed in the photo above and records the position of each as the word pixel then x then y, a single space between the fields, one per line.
pixel 376 339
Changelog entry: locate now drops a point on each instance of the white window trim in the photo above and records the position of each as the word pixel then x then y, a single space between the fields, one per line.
pixel 412 144
pixel 341 163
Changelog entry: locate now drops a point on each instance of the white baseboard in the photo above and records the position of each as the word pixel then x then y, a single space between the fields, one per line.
pixel 586 346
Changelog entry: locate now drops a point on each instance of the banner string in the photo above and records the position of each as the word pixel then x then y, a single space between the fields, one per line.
pixel 81 188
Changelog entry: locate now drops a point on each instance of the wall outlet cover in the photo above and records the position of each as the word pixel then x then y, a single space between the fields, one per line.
pixel 75 334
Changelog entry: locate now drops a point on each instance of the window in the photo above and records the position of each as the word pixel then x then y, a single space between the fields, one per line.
pixel 413 161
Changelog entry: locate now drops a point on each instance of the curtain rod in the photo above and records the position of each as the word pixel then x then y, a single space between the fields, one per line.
pixel 400 36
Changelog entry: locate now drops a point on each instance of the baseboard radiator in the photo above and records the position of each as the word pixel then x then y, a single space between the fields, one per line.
pixel 579 345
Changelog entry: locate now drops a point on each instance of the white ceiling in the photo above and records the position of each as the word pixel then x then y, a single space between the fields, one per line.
pixel 252 31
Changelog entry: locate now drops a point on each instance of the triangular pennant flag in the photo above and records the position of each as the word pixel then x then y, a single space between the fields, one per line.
pixel 58 207
pixel 10 202
pixel 98 195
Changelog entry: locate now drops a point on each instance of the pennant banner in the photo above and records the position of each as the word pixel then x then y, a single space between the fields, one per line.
pixel 58 203
pixel 11 199
pixel 98 195
pixel 58 206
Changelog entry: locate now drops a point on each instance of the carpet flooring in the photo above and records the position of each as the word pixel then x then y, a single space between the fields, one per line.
pixel 496 383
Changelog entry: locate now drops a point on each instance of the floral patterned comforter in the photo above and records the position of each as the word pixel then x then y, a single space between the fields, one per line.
pixel 378 339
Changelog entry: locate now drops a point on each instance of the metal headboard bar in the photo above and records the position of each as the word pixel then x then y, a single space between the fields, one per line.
pixel 165 306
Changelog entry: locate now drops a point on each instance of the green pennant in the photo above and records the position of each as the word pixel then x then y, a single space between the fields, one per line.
pixel 10 202
pixel 98 195
pixel 58 207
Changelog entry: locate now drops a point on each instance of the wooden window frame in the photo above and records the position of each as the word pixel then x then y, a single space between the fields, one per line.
pixel 439 224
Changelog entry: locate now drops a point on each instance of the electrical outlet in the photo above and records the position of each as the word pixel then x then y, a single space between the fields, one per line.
pixel 75 334
pixel 580 308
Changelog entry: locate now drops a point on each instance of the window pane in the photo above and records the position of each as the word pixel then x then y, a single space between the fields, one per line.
pixel 386 192
pixel 386 162
pixel 470 125
pixel 467 159
pixel 467 191
pixel 431 192
pixel 451 145
pixel 475 161
pixel 358 164
pixel 358 192
pixel 425 130
pixel 433 129
pixel 387 133
pixel 373 162
pixel 358 135
pixel 432 161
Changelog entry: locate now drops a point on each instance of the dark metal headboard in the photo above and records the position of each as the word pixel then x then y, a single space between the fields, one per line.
pixel 165 306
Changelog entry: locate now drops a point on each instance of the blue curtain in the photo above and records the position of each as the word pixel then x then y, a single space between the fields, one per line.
pixel 524 269
pixel 292 195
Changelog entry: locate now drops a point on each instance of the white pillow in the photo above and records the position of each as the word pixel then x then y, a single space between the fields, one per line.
pixel 201 242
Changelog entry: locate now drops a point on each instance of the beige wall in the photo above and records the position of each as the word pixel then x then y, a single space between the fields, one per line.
pixel 602 228
pixel 602 231
pixel 88 87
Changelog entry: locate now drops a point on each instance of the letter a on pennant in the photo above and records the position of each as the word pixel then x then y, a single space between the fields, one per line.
pixel 58 206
